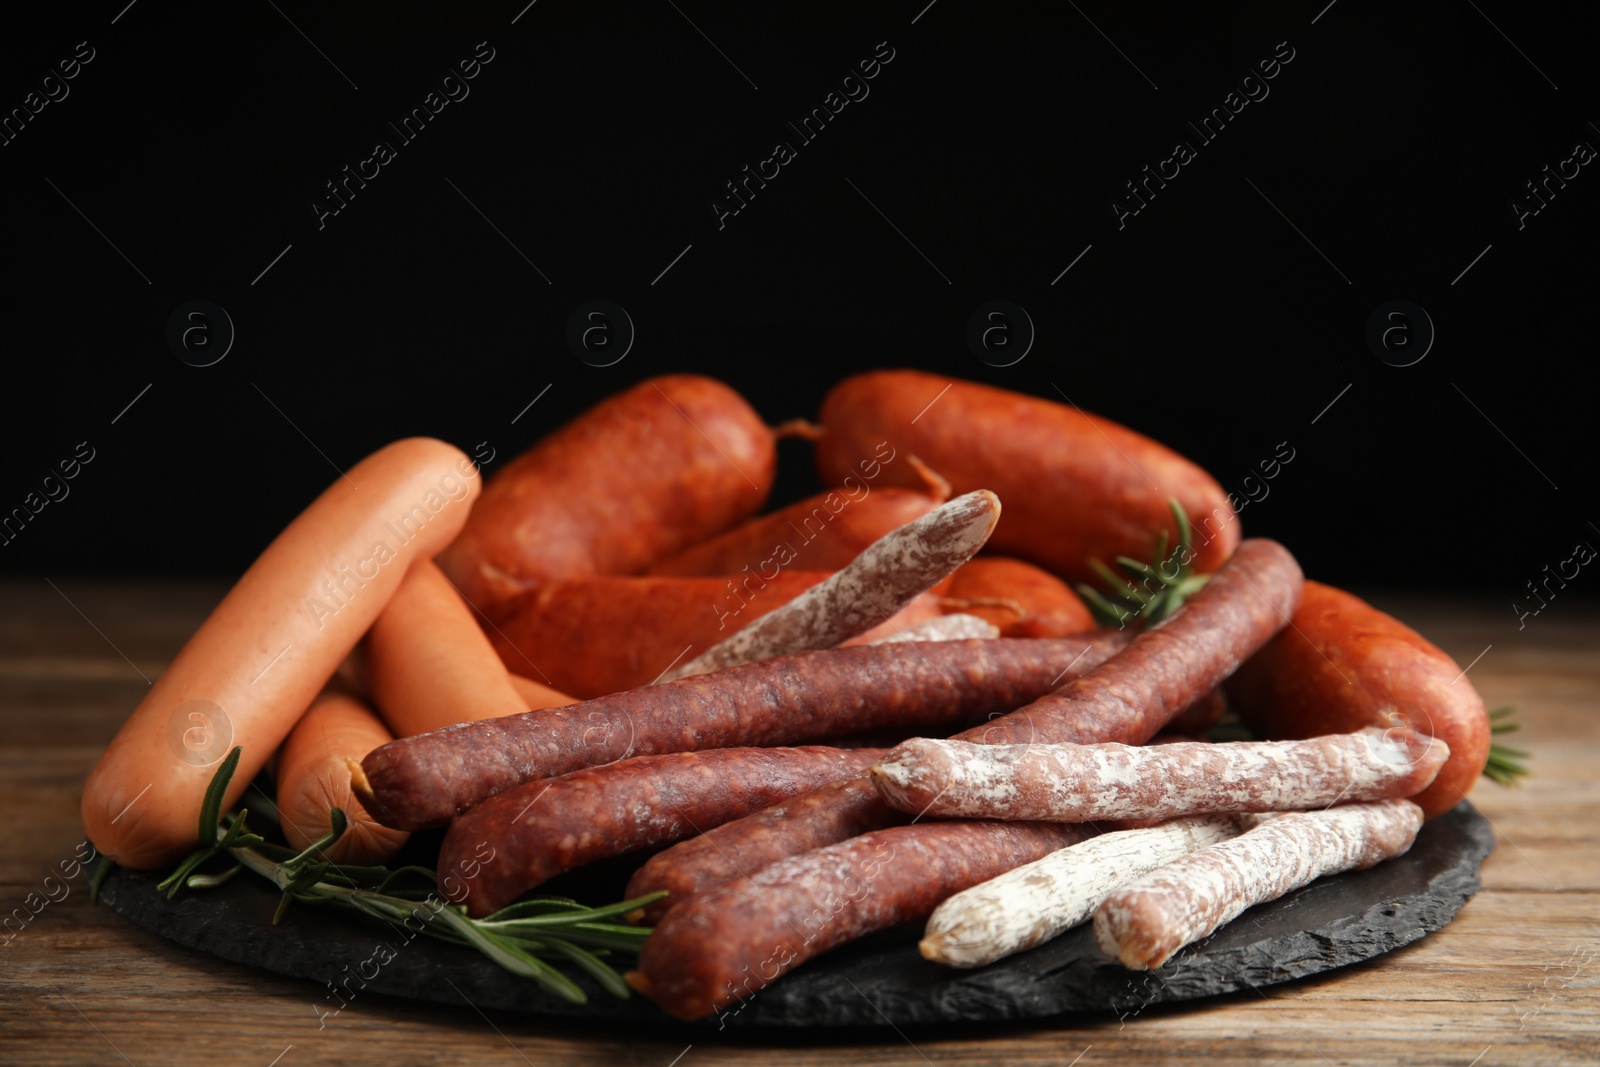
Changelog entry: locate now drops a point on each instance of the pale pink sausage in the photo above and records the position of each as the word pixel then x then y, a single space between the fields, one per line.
pixel 313 777
pixel 429 664
pixel 256 664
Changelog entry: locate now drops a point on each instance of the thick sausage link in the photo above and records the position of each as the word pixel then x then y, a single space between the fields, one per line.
pixel 428 780
pixel 820 533
pixel 731 942
pixel 1345 665
pixel 641 476
pixel 542 829
pixel 1019 598
pixel 1075 486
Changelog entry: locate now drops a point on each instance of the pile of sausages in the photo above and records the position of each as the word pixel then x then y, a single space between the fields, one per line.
pixel 605 650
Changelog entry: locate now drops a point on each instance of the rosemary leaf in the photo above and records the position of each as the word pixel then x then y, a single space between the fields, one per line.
pixel 211 806
pixel 211 881
pixel 1162 585
pixel 515 937
pixel 101 873
pixel 597 969
pixel 1505 765
pixel 174 881
pixel 580 914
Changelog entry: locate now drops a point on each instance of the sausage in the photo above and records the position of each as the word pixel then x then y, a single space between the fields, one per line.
pixel 593 636
pixel 730 942
pixel 1142 924
pixel 428 663
pixel 826 816
pixel 892 572
pixel 265 652
pixel 1082 783
pixel 543 829
pixel 1126 698
pixel 1202 715
pixel 1345 665
pixel 637 478
pixel 1076 486
pixel 428 780
pixel 1040 604
pixel 313 777
pixel 1030 905
pixel 956 627
pixel 1167 668
pixel 536 695
pixel 820 533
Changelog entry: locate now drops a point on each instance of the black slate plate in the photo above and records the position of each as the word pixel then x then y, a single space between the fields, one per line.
pixel 1330 923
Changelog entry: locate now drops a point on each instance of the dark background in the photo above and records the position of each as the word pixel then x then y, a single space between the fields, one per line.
pixel 596 139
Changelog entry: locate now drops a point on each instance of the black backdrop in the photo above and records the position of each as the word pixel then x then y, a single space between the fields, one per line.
pixel 183 159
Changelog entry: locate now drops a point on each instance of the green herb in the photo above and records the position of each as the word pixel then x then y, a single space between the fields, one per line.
pixel 98 879
pixel 1505 764
pixel 1147 592
pixel 520 937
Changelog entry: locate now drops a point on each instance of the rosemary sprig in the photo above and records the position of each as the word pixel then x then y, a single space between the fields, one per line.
pixel 1155 590
pixel 1505 764
pixel 520 937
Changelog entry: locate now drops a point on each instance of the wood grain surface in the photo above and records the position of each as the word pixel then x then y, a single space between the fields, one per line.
pixel 1514 980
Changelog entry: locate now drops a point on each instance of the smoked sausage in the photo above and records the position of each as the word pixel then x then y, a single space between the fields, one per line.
pixel 1345 665
pixel 430 779
pixel 820 533
pixel 637 478
pixel 1019 598
pixel 542 829
pixel 1086 783
pixel 1075 486
pixel 730 942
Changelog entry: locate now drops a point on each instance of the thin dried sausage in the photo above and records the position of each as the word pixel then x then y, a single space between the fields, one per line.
pixel 1083 783
pixel 729 943
pixel 428 780
pixel 1128 698
pixel 542 829
pixel 1142 924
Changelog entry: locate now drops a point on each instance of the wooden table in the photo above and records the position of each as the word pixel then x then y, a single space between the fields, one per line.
pixel 1514 980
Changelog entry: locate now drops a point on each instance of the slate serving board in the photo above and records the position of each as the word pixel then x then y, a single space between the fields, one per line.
pixel 880 981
